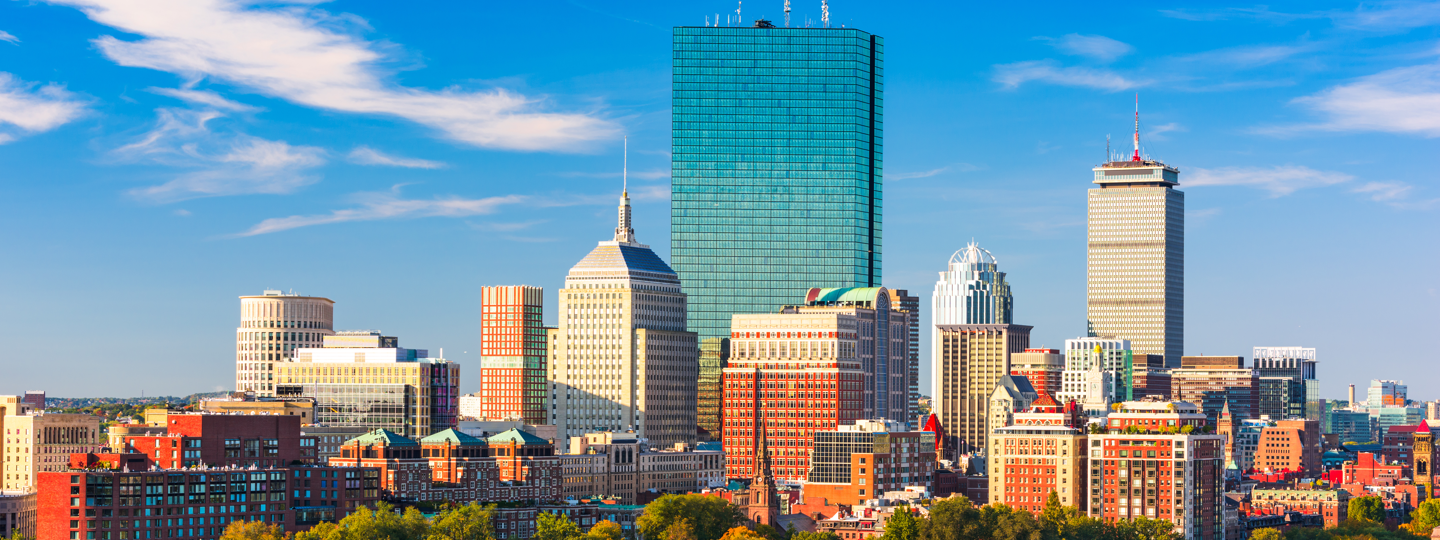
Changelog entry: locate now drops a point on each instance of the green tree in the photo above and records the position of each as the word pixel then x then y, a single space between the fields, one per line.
pixel 901 526
pixel 680 530
pixel 769 532
pixel 1425 518
pixel 1017 525
pixel 1267 534
pixel 469 522
pixel 807 535
pixel 739 532
pixel 951 519
pixel 252 530
pixel 1144 528
pixel 605 530
pixel 1055 519
pixel 711 517
pixel 1368 508
pixel 550 526
pixel 324 530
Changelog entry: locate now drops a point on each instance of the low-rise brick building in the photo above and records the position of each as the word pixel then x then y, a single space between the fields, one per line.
pixel 452 466
pixel 1330 504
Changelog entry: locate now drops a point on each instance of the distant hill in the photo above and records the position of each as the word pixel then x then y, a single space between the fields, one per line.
pixel 75 403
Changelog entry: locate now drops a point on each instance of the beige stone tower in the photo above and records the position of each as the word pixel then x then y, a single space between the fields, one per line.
pixel 623 359
pixel 1135 257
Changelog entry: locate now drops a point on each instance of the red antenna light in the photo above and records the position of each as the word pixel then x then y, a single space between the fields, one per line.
pixel 1136 157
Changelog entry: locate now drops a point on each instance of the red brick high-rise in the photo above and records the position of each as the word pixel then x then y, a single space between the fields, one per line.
pixel 513 353
pixel 789 375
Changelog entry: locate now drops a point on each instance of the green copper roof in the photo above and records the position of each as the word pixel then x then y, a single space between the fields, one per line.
pixel 847 294
pixel 454 437
pixel 385 436
pixel 517 436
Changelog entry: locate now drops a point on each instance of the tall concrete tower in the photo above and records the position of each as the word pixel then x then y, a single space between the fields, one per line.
pixel 1135 286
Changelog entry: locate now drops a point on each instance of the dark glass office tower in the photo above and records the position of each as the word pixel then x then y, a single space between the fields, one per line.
pixel 776 166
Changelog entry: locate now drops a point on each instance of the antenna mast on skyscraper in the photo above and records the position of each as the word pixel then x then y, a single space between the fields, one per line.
pixel 1136 157
pixel 1107 148
pixel 787 13
pixel 825 12
pixel 738 20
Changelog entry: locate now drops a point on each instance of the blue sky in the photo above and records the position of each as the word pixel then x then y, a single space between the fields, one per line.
pixel 159 159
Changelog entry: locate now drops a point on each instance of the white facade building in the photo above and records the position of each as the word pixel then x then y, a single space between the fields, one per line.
pixel 1084 358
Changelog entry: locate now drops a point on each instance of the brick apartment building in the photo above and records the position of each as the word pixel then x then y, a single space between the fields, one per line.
pixel 1159 471
pixel 1043 451
pixel 119 504
pixel 225 440
pixel 1289 445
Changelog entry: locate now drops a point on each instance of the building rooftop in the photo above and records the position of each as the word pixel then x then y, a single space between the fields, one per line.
pixel 517 436
pixel 385 436
pixel 453 436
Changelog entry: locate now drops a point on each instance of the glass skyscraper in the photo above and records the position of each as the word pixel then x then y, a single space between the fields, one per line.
pixel 776 166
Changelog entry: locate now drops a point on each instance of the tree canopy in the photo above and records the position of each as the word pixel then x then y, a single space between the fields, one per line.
pixel 1369 508
pixel 710 517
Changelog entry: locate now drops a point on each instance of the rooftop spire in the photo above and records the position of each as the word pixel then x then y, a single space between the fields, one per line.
pixel 1136 157
pixel 623 232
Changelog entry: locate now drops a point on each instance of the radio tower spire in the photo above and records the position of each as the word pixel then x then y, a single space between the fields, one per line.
pixel 1136 157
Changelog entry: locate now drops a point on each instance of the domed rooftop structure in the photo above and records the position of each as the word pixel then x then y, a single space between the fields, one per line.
pixel 972 253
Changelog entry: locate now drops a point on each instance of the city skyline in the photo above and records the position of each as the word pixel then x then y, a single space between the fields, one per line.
pixel 149 193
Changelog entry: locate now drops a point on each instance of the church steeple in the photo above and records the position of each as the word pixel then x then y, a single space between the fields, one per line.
pixel 764 502
pixel 623 232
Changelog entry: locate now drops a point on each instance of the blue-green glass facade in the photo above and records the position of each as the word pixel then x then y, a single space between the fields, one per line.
pixel 776 169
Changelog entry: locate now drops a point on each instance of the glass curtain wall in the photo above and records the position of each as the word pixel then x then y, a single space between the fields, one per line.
pixel 776 171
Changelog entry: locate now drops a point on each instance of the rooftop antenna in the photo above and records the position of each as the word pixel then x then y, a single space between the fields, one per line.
pixel 787 13
pixel 825 12
pixel 717 19
pixel 739 21
pixel 1136 157
pixel 625 167
pixel 1107 147
pixel 707 20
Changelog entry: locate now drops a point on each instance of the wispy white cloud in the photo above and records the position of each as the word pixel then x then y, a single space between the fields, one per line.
pixel 1390 16
pixel 1157 132
pixel 387 205
pixel 1401 100
pixel 365 155
pixel 1248 56
pixel 297 52
pixel 1367 16
pixel 1013 75
pixel 222 163
pixel 1278 180
pixel 1397 194
pixel 26 109
pixel 6 36
pixel 1100 48
pixel 202 97
pixel 913 175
